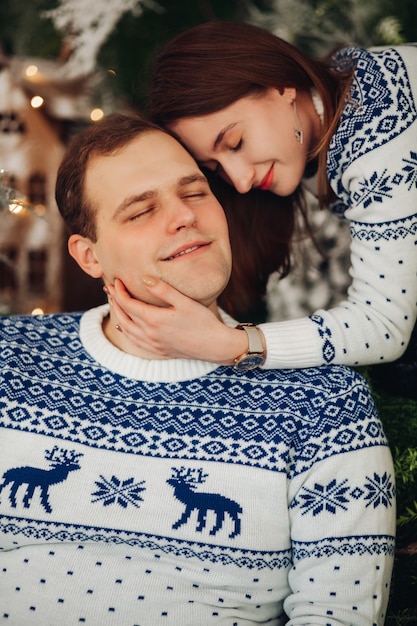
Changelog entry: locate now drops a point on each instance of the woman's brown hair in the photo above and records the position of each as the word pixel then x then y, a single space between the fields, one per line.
pixel 261 230
pixel 204 70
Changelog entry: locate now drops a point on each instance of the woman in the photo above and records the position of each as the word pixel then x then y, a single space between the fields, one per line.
pixel 265 118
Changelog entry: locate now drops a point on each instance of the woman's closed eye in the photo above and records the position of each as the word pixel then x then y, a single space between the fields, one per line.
pixel 237 147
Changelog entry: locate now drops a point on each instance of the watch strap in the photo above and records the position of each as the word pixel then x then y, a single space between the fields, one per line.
pixel 254 338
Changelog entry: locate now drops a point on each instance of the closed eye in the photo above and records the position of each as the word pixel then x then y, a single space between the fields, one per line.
pixel 238 146
pixel 195 195
pixel 140 214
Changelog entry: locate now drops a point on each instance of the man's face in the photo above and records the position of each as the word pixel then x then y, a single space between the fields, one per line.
pixel 156 215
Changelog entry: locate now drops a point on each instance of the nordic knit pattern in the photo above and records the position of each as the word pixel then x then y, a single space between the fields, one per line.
pixel 146 493
pixel 372 167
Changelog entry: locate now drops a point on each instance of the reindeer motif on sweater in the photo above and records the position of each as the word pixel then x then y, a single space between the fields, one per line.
pixel 185 482
pixel 62 463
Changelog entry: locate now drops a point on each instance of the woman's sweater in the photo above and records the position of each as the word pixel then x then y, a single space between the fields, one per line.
pixel 372 167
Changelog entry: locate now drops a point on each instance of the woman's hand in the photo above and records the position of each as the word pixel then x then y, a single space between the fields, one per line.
pixel 182 329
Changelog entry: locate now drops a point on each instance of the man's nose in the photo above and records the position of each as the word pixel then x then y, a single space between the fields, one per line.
pixel 180 215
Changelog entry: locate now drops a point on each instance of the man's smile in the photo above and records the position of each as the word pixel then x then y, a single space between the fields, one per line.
pixel 185 250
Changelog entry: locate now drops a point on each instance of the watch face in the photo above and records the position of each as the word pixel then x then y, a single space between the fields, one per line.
pixel 250 362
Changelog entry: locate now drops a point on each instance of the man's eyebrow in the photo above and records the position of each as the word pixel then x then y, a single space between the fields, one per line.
pixel 192 178
pixel 221 134
pixel 127 202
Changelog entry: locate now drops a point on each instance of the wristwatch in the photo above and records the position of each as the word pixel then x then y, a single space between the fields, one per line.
pixel 256 354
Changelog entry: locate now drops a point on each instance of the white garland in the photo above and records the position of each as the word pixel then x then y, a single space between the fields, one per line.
pixel 87 27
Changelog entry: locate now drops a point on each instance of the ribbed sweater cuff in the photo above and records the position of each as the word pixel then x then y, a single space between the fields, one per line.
pixel 292 344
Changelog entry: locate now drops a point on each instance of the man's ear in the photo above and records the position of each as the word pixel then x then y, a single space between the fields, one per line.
pixel 82 250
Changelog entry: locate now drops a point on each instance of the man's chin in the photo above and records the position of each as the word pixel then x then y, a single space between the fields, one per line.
pixel 204 292
pixel 147 299
pixel 143 295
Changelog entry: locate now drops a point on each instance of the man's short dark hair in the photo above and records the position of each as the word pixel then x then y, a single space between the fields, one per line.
pixel 102 138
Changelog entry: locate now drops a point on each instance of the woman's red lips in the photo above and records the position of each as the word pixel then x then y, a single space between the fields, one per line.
pixel 267 181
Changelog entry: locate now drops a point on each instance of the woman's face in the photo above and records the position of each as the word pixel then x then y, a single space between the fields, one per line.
pixel 251 143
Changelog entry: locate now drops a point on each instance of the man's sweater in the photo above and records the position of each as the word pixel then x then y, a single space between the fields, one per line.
pixel 372 167
pixel 176 492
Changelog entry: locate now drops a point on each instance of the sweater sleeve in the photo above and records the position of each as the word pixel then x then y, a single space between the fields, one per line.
pixel 343 574
pixel 342 518
pixel 372 165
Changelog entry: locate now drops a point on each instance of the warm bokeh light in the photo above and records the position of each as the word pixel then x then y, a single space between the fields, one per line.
pixel 15 207
pixel 36 102
pixel 37 311
pixel 31 70
pixel 96 115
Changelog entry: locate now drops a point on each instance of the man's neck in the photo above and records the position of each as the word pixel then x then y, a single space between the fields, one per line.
pixel 118 339
pixel 121 341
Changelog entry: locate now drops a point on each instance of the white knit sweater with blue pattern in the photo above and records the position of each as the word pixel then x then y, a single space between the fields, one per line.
pixel 372 167
pixel 144 493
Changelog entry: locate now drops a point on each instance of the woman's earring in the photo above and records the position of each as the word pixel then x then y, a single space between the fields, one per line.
pixel 298 132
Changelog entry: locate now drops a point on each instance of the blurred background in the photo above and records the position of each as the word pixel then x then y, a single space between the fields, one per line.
pixel 66 63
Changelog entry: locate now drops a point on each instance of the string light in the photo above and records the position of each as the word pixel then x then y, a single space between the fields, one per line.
pixel 96 115
pixel 15 207
pixel 31 70
pixel 11 199
pixel 36 102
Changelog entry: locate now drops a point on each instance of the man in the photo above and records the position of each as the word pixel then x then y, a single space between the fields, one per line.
pixel 143 491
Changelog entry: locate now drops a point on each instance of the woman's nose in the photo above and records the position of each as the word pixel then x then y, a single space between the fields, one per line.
pixel 241 176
